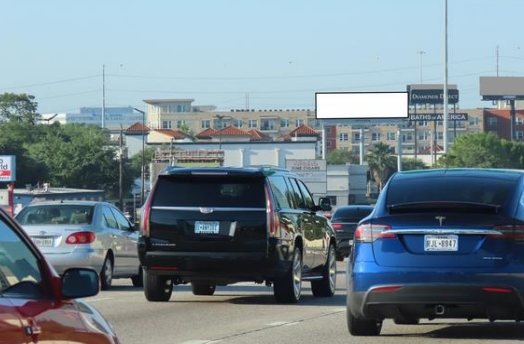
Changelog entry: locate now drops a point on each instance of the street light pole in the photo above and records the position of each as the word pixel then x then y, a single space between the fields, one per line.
pixel 220 118
pixel 143 173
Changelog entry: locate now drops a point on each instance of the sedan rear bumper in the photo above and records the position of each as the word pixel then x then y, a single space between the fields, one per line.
pixel 88 258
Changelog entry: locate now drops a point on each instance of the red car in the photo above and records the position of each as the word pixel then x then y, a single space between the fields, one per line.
pixel 38 305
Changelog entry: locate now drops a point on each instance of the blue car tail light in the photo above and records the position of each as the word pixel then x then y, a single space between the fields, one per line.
pixel 512 232
pixel 371 232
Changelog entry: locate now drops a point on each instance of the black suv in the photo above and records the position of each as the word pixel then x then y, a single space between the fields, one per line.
pixel 212 226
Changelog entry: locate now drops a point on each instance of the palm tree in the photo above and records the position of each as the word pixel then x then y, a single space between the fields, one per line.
pixel 381 162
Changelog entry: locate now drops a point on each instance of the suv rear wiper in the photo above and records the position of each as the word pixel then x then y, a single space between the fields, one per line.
pixel 442 205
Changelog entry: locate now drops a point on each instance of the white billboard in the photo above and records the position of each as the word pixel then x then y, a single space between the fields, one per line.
pixel 7 168
pixel 361 105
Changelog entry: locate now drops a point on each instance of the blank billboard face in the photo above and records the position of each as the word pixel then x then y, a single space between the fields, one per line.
pixel 361 105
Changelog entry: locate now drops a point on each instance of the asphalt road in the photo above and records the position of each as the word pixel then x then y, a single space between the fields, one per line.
pixel 247 313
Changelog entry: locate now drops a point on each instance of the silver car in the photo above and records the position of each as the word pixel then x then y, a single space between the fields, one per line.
pixel 87 234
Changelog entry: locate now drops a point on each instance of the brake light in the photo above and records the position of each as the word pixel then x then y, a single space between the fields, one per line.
pixel 80 238
pixel 336 225
pixel 271 216
pixel 497 290
pixel 511 232
pixel 371 232
pixel 386 289
pixel 144 228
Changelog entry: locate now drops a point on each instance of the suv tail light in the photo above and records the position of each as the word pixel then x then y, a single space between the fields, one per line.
pixel 144 228
pixel 271 216
pixel 80 238
pixel 371 232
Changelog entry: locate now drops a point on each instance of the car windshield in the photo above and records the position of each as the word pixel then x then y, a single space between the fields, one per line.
pixel 55 214
pixel 19 270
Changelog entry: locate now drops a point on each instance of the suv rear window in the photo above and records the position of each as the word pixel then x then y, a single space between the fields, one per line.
pixel 209 191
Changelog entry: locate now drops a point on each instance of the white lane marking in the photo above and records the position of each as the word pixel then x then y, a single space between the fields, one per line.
pixel 282 323
pixel 99 299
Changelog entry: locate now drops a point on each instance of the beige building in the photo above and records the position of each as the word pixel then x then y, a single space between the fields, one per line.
pixel 421 137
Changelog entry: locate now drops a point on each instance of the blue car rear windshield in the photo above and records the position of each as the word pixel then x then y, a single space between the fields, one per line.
pixel 449 189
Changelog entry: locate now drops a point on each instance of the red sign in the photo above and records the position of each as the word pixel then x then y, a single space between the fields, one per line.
pixel 5 173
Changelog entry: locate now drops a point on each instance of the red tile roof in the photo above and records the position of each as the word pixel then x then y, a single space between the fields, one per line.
pixel 231 131
pixel 137 128
pixel 206 134
pixel 258 135
pixel 176 134
pixel 302 131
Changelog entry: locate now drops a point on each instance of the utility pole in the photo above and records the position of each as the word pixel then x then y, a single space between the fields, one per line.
pixel 121 165
pixel 103 96
pixel 421 53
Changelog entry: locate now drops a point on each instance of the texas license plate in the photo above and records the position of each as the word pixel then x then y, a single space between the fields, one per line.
pixel 441 242
pixel 43 242
pixel 207 227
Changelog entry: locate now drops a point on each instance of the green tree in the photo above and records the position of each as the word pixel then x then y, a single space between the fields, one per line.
pixel 81 156
pixel 381 162
pixel 409 164
pixel 18 108
pixel 15 139
pixel 135 161
pixel 341 156
pixel 480 150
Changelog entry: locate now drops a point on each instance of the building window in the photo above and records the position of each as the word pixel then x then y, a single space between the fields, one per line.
pixel 440 135
pixel 391 136
pixel 519 135
pixel 408 137
pixel 492 121
pixel 206 123
pixel 165 108
pixel 422 123
pixel 268 124
pixel 166 125
pixel 237 123
pixel 180 123
pixel 181 108
pixel 519 120
pixel 343 137
pixel 328 130
pixel 375 136
pixel 423 135
pixel 474 121
pixel 284 123
pixel 299 122
pixel 253 123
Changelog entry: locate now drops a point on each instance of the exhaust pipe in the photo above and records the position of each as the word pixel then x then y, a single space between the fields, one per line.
pixel 439 310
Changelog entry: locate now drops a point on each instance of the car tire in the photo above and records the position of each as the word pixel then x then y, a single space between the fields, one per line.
pixel 362 327
pixel 138 280
pixel 203 289
pixel 287 289
pixel 106 275
pixel 157 288
pixel 327 285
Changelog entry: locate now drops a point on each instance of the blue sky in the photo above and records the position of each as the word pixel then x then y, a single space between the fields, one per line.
pixel 261 54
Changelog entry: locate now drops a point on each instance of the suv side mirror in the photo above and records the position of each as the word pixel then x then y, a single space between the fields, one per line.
pixel 325 203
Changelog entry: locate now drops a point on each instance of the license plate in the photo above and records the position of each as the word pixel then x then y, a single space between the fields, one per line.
pixel 43 242
pixel 441 243
pixel 207 227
